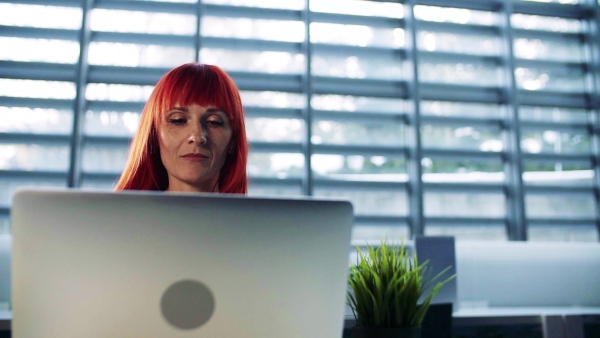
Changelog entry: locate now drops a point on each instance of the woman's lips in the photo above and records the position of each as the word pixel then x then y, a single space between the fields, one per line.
pixel 195 157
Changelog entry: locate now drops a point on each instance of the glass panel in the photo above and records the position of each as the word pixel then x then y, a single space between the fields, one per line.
pixel 34 157
pixel 9 187
pixel 288 4
pixel 96 184
pixel 356 35
pixel 273 99
pixel 461 73
pixel 455 15
pixel 111 123
pixel 462 170
pixel 558 173
pixel 117 92
pixel 559 79
pixel 99 158
pixel 37 120
pixel 109 20
pixel 462 138
pixel 566 49
pixel 445 108
pixel 360 168
pixel 274 130
pixel 40 16
pixel 546 23
pixel 581 205
pixel 565 233
pixel 383 66
pixel 39 50
pixel 555 142
pixel 553 114
pixel 377 232
pixel 37 89
pixel 483 232
pixel 253 61
pixel 359 133
pixel 132 55
pixel 280 165
pixel 459 43
pixel 465 204
pixel 369 202
pixel 259 190
pixel 357 103
pixel 242 28
pixel 362 8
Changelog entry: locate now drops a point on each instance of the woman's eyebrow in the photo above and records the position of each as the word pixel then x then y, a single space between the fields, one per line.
pixel 182 109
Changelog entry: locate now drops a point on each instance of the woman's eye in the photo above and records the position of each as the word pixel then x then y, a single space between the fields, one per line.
pixel 215 123
pixel 177 121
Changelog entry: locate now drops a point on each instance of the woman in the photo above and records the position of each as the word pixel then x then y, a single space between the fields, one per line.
pixel 191 135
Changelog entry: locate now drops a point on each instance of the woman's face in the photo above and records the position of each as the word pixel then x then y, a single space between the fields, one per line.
pixel 194 142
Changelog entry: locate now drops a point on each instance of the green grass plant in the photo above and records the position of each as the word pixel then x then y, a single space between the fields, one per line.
pixel 386 284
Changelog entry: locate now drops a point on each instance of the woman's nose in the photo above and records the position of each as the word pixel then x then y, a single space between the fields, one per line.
pixel 198 136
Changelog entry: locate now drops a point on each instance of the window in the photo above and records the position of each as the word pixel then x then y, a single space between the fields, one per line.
pixel 477 119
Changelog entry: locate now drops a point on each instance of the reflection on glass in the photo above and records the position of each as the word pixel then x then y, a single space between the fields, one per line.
pixel 483 232
pixel 546 23
pixel 555 142
pixel 458 43
pixel 558 173
pixel 40 16
pixel 466 204
pixel 455 15
pixel 38 50
pixel 462 138
pixel 108 20
pixel 273 99
pixel 274 130
pixel 111 123
pixel 243 28
pixel 553 114
pixel 109 159
pixel 253 61
pixel 358 103
pixel 37 120
pixel 362 8
pixel 461 73
pixel 448 108
pixel 132 55
pixel 356 35
pixel 559 79
pixel 360 168
pixel 279 165
pixel 37 89
pixel 288 4
pixel 370 202
pixel 566 49
pixel 360 133
pixel 563 233
pixel 384 66
pixel 117 92
pixel 581 205
pixel 33 157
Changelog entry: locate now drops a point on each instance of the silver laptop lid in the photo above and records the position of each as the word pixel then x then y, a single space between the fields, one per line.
pixel 142 264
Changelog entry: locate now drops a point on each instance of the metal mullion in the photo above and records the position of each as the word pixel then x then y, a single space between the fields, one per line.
pixel 75 171
pixel 560 126
pixel 283 147
pixel 458 121
pixel 366 219
pixel 463 187
pixel 459 57
pixel 273 113
pixel 139 76
pixel 365 150
pixel 252 12
pixel 462 93
pixel 544 189
pixel 61 104
pixel 414 156
pixel 456 154
pixel 369 51
pixel 117 106
pixel 38 33
pixel 353 116
pixel 347 19
pixel 37 71
pixel 553 99
pixel 561 221
pixel 198 35
pixel 307 83
pixel 251 44
pixel 546 35
pixel 551 9
pixel 550 64
pixel 513 166
pixel 270 181
pixel 145 6
pixel 54 3
pixel 448 27
pixel 463 221
pixel 27 138
pixel 359 87
pixel 143 38
pixel 489 5
pixel 360 185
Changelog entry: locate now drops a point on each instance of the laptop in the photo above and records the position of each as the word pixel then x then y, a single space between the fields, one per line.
pixel 150 264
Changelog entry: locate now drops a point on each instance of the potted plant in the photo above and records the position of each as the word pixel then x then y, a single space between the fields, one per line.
pixel 386 284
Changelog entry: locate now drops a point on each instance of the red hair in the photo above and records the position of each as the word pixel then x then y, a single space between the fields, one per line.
pixel 191 83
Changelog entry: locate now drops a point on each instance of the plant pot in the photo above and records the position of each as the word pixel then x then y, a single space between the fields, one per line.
pixel 386 332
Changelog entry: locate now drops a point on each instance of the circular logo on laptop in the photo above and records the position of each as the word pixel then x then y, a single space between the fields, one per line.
pixel 187 304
